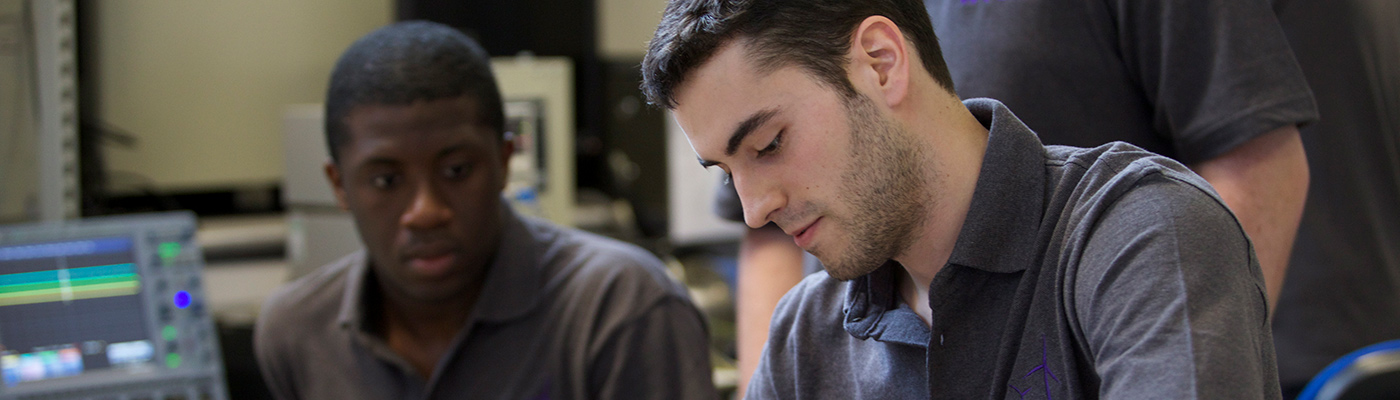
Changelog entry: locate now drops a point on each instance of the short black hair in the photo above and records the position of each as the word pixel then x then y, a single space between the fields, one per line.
pixel 812 34
pixel 407 62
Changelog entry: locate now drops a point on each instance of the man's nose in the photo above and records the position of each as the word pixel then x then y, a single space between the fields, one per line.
pixel 759 199
pixel 428 210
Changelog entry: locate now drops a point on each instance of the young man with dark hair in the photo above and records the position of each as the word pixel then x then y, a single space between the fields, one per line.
pixel 455 295
pixel 1209 83
pixel 964 259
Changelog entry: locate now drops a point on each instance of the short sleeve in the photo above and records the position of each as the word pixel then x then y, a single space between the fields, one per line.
pixel 1171 301
pixel 1218 72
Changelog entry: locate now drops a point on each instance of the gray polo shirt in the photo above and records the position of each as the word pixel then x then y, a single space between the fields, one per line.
pixel 563 314
pixel 1079 273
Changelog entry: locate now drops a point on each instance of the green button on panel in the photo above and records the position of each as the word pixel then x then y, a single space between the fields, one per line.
pixel 168 251
pixel 172 360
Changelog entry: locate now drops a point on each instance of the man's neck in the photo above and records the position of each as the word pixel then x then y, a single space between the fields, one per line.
pixel 422 332
pixel 915 295
pixel 955 142
pixel 426 320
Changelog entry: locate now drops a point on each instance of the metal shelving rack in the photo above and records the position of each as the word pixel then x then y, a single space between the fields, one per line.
pixel 56 63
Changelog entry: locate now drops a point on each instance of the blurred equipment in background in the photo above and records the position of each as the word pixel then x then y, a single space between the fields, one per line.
pixel 539 106
pixel 38 111
pixel 318 231
pixel 106 308
pixel 691 189
pixel 1372 373
pixel 635 133
pixel 543 28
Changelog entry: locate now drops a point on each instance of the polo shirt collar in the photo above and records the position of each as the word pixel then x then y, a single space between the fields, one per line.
pixel 873 310
pixel 515 279
pixel 351 314
pixel 999 234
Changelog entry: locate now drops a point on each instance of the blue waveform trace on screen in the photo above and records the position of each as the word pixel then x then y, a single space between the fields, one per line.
pixel 65 249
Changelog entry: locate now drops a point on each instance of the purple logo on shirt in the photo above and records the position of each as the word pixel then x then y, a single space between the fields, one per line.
pixel 1043 368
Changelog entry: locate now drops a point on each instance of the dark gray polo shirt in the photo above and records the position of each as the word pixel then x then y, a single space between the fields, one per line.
pixel 563 315
pixel 1342 292
pixel 1079 273
pixel 1190 80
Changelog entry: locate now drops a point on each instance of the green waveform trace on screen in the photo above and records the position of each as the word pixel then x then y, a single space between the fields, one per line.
pixel 70 284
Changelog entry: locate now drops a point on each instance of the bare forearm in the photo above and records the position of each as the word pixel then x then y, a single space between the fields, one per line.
pixel 769 265
pixel 1265 183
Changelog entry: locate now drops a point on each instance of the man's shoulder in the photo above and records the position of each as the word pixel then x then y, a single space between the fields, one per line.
pixel 1154 270
pixel 295 339
pixel 818 301
pixel 1121 194
pixel 1099 177
pixel 1115 160
pixel 585 264
pixel 578 245
pixel 311 300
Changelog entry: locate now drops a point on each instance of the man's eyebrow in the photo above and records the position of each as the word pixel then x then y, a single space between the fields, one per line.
pixel 391 161
pixel 745 128
pixel 452 149
pixel 380 161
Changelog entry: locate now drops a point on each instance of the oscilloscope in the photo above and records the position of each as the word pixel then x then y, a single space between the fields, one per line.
pixel 109 308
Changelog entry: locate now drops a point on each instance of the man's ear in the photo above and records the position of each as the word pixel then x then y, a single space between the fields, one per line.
pixel 880 60
pixel 333 175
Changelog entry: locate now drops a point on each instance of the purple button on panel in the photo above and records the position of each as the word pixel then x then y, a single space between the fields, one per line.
pixel 182 299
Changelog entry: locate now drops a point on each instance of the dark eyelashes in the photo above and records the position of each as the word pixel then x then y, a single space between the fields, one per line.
pixel 772 146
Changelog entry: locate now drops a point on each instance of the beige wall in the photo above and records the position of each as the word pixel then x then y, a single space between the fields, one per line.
pixel 202 83
pixel 625 26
